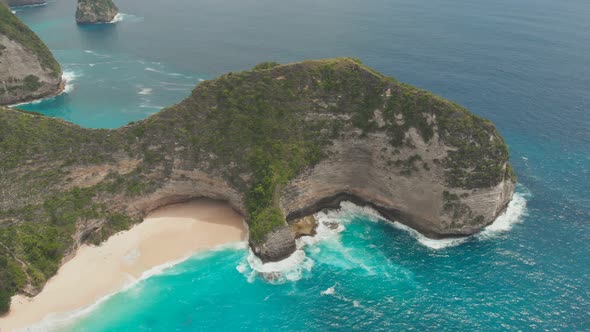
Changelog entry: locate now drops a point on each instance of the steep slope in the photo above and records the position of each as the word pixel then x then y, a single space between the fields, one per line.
pixel 95 11
pixel 278 143
pixel 28 70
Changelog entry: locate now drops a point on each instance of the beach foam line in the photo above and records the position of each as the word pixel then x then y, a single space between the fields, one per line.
pixel 333 222
pixel 434 244
pixel 514 213
pixel 167 237
pixel 56 322
pixel 68 76
pixel 291 268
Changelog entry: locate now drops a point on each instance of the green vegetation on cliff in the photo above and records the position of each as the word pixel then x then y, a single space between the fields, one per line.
pixel 96 11
pixel 14 29
pixel 254 131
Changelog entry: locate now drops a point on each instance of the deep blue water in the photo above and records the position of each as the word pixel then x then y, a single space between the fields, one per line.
pixel 524 64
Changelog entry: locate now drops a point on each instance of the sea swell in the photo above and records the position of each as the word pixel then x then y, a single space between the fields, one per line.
pixel 330 225
pixel 68 77
pixel 61 321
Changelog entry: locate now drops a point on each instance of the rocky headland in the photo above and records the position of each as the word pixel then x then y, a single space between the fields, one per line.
pixel 278 143
pixel 96 11
pixel 28 70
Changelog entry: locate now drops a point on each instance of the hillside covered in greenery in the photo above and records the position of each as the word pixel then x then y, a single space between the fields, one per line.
pixel 242 137
pixel 15 29
pixel 96 11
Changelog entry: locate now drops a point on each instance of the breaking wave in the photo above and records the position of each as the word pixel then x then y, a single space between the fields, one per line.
pixel 60 321
pixel 69 77
pixel 145 91
pixel 330 223
pixel 120 17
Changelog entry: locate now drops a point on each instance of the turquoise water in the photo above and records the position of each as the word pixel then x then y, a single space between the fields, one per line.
pixel 525 64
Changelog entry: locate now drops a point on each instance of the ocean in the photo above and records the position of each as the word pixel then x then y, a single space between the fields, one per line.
pixel 524 64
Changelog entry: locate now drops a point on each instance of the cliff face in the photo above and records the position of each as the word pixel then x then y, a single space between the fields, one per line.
pixel 95 11
pixel 278 143
pixel 28 70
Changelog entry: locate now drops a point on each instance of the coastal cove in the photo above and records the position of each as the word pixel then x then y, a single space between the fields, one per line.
pixel 167 236
pixel 165 242
pixel 522 65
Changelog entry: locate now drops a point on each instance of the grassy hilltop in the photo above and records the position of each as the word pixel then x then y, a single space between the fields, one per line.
pixel 16 30
pixel 254 131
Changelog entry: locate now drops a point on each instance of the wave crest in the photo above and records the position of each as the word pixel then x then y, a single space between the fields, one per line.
pixel 332 222
pixel 69 77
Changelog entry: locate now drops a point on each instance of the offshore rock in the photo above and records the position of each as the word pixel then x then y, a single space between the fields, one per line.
pixel 96 11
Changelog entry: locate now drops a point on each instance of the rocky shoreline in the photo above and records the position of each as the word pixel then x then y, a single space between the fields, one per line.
pixel 278 143
pixel 28 70
pixel 96 11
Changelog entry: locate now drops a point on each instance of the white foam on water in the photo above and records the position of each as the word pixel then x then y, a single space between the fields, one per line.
pixel 329 291
pixel 18 8
pixel 428 242
pixel 153 70
pixel 145 91
pixel 292 268
pixel 59 321
pixel 330 224
pixel 118 18
pixel 96 54
pixel 239 245
pixel 516 210
pixel 513 214
pixel 333 222
pixel 147 105
pixel 69 77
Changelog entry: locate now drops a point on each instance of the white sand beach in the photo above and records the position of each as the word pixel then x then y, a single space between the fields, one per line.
pixel 168 234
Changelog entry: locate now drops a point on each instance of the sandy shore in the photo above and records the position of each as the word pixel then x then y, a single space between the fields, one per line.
pixel 168 234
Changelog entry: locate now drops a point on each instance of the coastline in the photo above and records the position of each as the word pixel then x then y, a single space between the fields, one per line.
pixel 63 84
pixel 169 234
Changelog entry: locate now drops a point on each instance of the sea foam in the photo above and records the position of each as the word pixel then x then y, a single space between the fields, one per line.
pixel 69 77
pixel 333 222
pixel 516 210
pixel 145 91
pixel 120 17
pixel 60 321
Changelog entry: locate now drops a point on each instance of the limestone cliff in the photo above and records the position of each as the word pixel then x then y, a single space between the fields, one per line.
pixel 95 11
pixel 278 143
pixel 28 70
